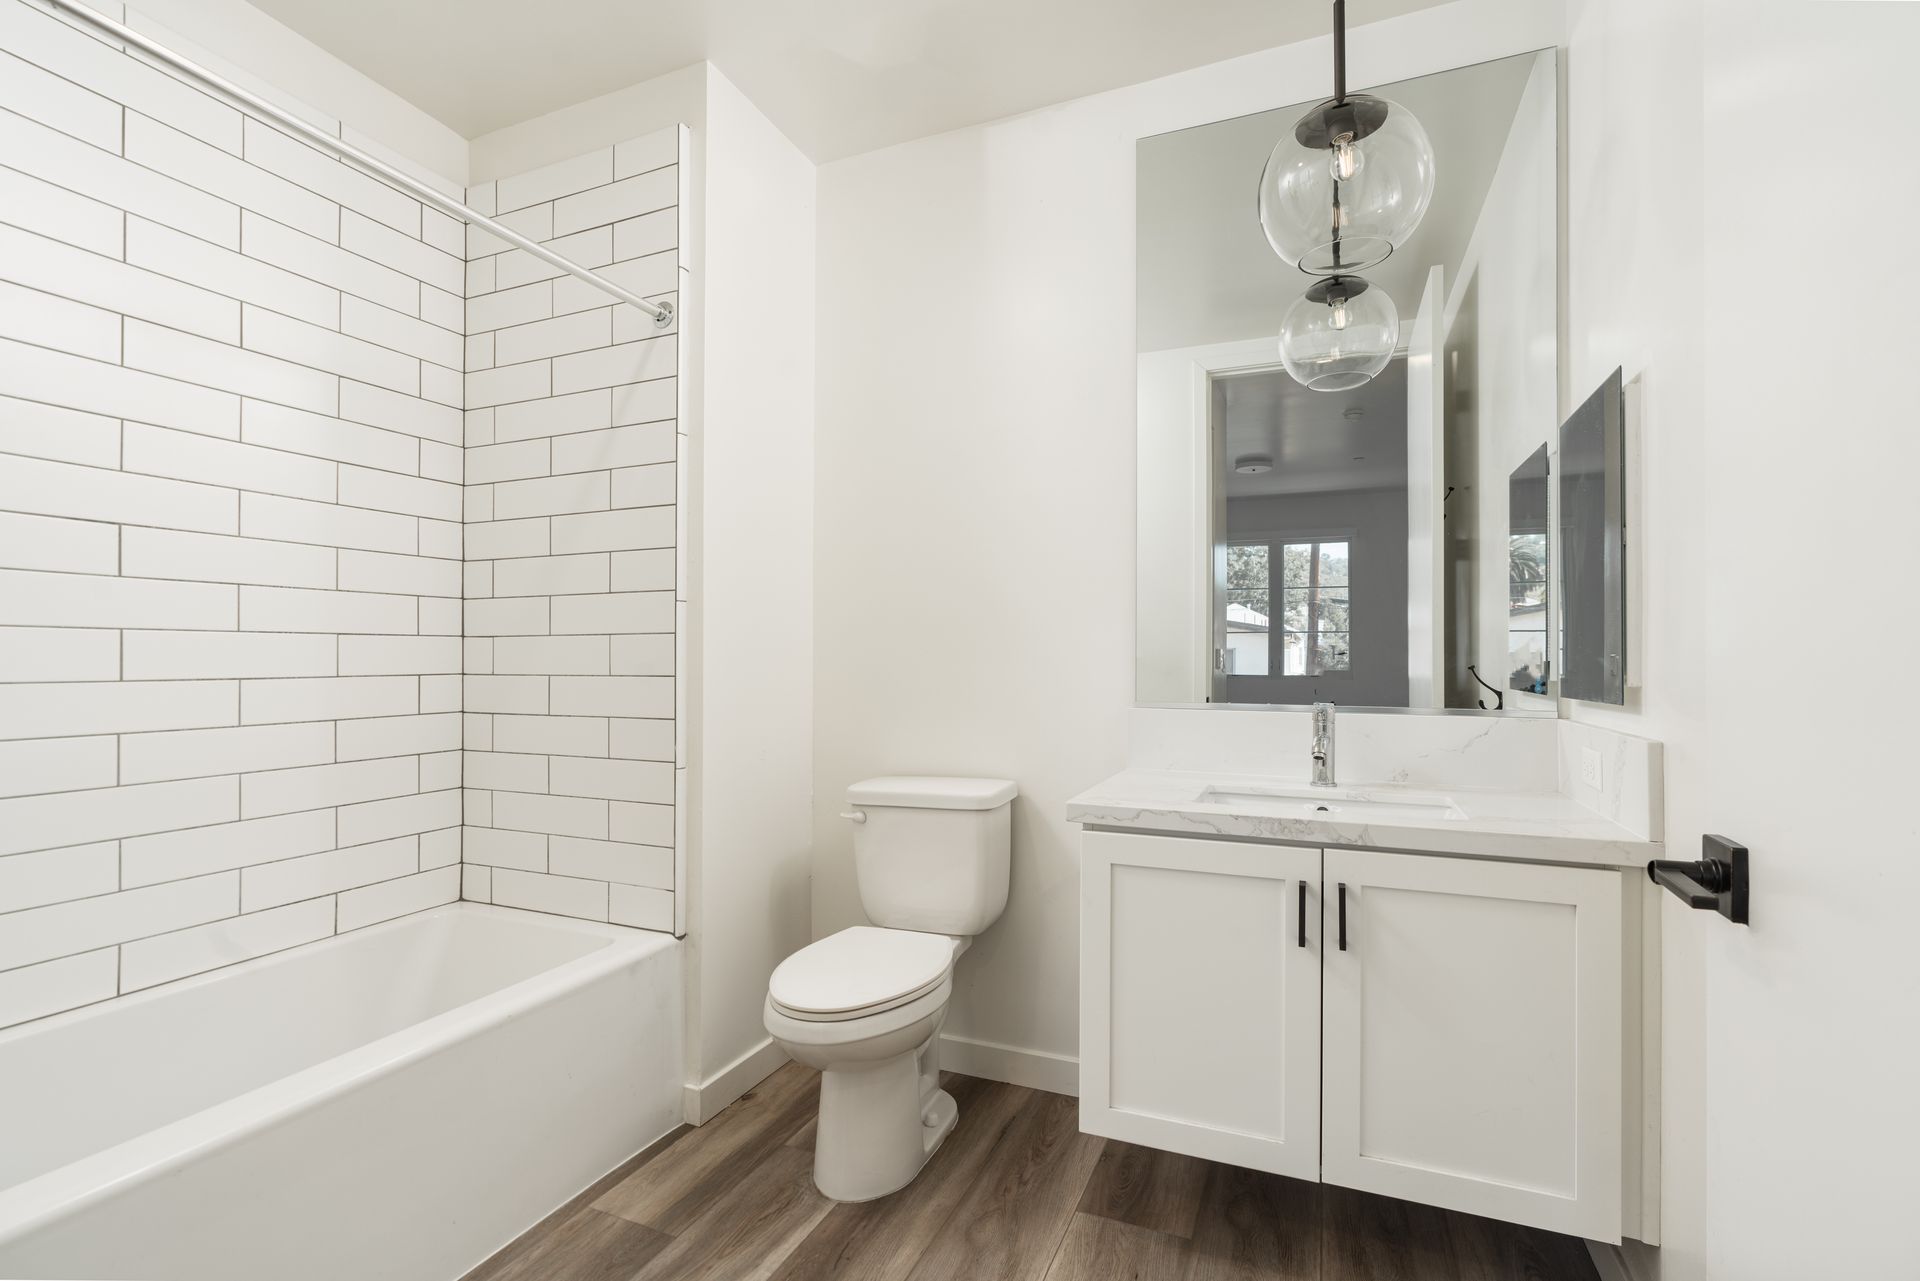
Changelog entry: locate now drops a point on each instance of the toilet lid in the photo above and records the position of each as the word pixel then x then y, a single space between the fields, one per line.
pixel 859 971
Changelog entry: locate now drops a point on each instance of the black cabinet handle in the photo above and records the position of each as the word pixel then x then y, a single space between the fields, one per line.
pixel 1343 916
pixel 1303 914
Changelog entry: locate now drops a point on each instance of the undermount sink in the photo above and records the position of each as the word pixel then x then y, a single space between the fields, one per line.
pixel 1334 804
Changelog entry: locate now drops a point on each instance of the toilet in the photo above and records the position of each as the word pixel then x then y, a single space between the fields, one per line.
pixel 865 1006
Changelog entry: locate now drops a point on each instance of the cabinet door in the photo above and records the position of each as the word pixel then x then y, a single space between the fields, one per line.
pixel 1200 998
pixel 1473 1039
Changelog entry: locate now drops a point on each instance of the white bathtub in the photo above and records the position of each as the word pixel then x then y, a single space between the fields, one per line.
pixel 397 1102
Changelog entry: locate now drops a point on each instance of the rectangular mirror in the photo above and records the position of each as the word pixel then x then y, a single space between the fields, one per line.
pixel 1297 545
pixel 1593 558
pixel 1529 640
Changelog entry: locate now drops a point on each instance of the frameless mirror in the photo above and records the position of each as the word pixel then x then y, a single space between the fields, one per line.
pixel 1354 546
pixel 1593 547
pixel 1529 640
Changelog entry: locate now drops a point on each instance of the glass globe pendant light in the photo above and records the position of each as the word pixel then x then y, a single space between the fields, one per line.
pixel 1352 180
pixel 1340 334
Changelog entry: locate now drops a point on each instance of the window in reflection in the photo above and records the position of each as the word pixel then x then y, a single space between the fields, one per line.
pixel 1298 627
pixel 1315 609
pixel 1249 608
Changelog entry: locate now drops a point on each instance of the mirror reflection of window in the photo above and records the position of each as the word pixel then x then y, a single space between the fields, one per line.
pixel 1249 608
pixel 1316 609
pixel 1299 626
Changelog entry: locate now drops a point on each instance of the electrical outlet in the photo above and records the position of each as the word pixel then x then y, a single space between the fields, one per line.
pixel 1593 768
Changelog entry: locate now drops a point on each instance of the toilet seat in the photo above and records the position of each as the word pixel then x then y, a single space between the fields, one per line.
pixel 860 972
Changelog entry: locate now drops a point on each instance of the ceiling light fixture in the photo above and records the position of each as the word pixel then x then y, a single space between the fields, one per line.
pixel 1352 180
pixel 1340 334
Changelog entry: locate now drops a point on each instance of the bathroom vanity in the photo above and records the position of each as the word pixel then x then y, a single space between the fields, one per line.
pixel 1406 948
pixel 1435 988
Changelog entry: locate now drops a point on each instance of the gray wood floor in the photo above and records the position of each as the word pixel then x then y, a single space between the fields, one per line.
pixel 1016 1194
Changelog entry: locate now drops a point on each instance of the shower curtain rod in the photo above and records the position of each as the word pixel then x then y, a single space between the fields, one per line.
pixel 662 311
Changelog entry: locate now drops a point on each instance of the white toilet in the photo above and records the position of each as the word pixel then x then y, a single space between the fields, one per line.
pixel 865 1005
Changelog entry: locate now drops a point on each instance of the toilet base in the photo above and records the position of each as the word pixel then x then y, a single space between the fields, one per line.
pixel 880 1122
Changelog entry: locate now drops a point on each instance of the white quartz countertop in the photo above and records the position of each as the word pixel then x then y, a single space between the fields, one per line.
pixel 1537 826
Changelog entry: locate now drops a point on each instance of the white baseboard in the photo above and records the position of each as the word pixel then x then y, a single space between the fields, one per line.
pixel 702 1102
pixel 1036 1069
pixel 1612 1263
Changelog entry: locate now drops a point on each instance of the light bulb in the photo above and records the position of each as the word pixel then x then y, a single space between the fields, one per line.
pixel 1343 159
pixel 1340 334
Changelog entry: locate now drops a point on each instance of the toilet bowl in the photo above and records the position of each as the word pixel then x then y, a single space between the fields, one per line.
pixel 865 1006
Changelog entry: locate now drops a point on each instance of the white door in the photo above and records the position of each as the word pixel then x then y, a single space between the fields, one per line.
pixel 1472 1037
pixel 1426 473
pixel 1200 998
pixel 1792 1101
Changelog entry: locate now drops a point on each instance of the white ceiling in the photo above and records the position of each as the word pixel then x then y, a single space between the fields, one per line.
pixel 1206 272
pixel 1315 447
pixel 839 77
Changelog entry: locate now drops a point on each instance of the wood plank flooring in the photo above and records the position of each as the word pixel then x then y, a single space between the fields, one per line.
pixel 1016 1194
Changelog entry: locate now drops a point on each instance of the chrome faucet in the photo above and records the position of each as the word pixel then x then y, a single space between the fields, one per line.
pixel 1323 745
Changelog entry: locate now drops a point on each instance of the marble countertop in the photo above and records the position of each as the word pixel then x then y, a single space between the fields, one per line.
pixel 1537 826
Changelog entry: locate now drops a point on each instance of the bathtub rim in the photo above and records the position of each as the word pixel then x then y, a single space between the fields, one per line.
pixel 78 1185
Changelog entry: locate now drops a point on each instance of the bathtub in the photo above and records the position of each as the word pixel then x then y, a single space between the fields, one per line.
pixel 396 1102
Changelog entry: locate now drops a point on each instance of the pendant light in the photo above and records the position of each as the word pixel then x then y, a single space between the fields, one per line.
pixel 1340 334
pixel 1351 181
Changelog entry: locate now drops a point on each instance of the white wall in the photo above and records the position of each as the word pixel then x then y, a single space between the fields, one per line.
pixel 746 410
pixel 976 469
pixel 572 581
pixel 230 530
pixel 754 459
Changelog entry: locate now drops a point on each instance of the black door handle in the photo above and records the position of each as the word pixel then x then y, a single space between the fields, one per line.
pixel 1698 884
pixel 1303 914
pixel 1717 882
pixel 1343 916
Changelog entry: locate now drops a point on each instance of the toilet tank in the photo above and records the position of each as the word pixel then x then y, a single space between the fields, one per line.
pixel 933 854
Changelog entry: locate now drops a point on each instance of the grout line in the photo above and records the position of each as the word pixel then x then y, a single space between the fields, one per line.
pixel 349 378
pixel 240 912
pixel 258 493
pixel 242 774
pixel 235 249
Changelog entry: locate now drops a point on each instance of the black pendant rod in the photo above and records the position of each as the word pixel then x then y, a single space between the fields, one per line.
pixel 1339 95
pixel 1339 50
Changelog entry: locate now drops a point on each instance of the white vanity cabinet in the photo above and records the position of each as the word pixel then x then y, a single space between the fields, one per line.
pixel 1471 1050
pixel 1463 1049
pixel 1200 998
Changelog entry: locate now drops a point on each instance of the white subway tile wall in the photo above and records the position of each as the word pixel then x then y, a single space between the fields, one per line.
pixel 573 571
pixel 231 445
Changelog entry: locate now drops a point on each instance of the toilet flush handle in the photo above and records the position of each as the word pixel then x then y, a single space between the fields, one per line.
pixel 854 816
